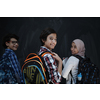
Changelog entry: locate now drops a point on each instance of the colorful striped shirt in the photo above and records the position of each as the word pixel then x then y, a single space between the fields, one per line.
pixel 51 64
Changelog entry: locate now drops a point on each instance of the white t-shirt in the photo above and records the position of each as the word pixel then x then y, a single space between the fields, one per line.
pixel 70 65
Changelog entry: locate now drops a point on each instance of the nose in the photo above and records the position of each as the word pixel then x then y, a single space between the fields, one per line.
pixel 16 44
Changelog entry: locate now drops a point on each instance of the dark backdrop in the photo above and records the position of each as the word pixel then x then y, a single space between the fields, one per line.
pixel 67 28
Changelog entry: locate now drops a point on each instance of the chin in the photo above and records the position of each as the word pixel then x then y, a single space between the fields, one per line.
pixel 52 48
pixel 15 49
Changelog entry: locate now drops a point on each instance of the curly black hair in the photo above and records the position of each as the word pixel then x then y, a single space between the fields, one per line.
pixel 7 38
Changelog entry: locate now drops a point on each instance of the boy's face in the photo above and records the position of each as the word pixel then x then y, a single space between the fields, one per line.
pixel 74 49
pixel 12 44
pixel 51 41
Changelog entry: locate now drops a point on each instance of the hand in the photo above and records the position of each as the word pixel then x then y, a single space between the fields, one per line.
pixel 57 57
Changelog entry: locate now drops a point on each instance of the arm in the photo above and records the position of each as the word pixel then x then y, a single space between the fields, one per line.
pixel 67 67
pixel 16 66
pixel 71 64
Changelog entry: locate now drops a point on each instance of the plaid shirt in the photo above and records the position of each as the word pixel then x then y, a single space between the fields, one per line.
pixel 51 64
pixel 14 64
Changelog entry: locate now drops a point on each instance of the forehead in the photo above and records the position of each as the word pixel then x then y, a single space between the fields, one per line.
pixel 54 35
pixel 13 39
pixel 73 44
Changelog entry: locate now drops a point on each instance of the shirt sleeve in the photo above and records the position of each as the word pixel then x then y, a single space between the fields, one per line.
pixel 16 66
pixel 54 75
pixel 69 65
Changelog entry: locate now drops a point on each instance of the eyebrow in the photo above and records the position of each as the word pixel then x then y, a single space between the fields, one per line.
pixel 52 37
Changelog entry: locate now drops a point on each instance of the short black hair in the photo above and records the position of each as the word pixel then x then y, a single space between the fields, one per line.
pixel 7 38
pixel 45 33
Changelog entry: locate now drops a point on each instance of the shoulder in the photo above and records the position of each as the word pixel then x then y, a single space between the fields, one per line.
pixel 8 52
pixel 48 56
pixel 73 59
pixel 43 50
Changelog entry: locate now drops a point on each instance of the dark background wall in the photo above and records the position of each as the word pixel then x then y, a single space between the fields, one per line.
pixel 67 28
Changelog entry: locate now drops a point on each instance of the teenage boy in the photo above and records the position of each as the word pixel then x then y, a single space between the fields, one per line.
pixel 53 62
pixel 11 70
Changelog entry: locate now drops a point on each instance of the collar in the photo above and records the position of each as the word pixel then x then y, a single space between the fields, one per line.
pixel 45 49
pixel 8 50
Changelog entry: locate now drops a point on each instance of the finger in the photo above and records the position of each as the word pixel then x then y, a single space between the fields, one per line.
pixel 54 53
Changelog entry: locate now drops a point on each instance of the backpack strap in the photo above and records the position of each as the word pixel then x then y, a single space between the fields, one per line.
pixel 46 53
pixel 79 57
pixel 31 54
pixel 80 60
pixel 45 68
pixel 86 59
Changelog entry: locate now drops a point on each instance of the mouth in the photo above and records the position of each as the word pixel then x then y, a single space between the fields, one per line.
pixel 52 45
pixel 15 47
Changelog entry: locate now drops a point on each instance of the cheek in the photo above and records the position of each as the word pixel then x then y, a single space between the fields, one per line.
pixel 76 51
pixel 17 44
pixel 71 49
pixel 10 45
pixel 55 42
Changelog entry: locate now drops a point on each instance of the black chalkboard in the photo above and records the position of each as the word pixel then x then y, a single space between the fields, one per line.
pixel 67 28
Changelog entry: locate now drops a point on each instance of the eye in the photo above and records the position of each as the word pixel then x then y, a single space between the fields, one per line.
pixel 51 38
pixel 14 42
pixel 74 46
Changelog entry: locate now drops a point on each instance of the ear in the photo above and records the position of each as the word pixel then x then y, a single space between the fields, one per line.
pixel 7 44
pixel 43 40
